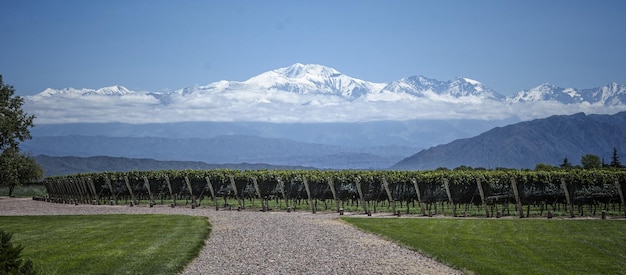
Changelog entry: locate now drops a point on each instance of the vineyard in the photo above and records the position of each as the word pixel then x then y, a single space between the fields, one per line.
pixel 489 193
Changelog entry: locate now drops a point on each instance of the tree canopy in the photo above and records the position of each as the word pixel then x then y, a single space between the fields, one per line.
pixel 14 122
pixel 590 161
pixel 17 168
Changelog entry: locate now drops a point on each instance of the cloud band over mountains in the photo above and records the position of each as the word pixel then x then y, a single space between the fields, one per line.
pixel 314 93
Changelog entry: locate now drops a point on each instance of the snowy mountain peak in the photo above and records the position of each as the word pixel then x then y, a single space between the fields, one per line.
pixel 609 95
pixel 472 81
pixel 115 90
pixel 301 70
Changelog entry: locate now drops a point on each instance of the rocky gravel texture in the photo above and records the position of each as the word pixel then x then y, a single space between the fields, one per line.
pixel 254 242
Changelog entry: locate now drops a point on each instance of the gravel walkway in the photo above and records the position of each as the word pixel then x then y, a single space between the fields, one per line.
pixel 252 242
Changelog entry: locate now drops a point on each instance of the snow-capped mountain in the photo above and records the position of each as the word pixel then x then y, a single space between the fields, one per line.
pixel 115 90
pixel 609 95
pixel 315 93
pixel 460 87
pixel 313 79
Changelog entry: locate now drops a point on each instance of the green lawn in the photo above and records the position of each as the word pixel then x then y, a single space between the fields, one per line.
pixel 108 244
pixel 511 246
pixel 27 190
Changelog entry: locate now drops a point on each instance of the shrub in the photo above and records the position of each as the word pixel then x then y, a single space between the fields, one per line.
pixel 10 260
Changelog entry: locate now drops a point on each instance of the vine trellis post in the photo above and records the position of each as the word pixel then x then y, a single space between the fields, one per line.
pixel 108 182
pixel 332 190
pixel 482 196
pixel 621 195
pixel 93 190
pixel 446 184
pixel 193 197
pixel 570 206
pixel 518 201
pixel 232 183
pixel 169 187
pixel 308 193
pixel 419 196
pixel 130 190
pixel 210 186
pixel 282 191
pixel 147 184
pixel 258 192
pixel 357 181
pixel 392 202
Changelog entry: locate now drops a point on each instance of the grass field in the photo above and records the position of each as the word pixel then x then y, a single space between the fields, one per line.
pixel 24 191
pixel 108 244
pixel 511 246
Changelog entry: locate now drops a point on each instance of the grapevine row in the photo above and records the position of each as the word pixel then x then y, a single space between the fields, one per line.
pixel 484 189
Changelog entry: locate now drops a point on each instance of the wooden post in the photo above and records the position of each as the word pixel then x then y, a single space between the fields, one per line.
pixel 282 191
pixel 570 207
pixel 482 196
pixel 258 192
pixel 147 184
pixel 132 195
pixel 232 183
pixel 621 195
pixel 518 202
pixel 193 197
pixel 108 180
pixel 308 193
pixel 392 202
pixel 169 187
pixel 358 189
pixel 332 189
pixel 210 186
pixel 447 186
pixel 93 190
pixel 82 191
pixel 419 196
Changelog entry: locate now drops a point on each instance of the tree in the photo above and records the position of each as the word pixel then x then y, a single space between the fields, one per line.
pixel 544 167
pixel 615 163
pixel 566 164
pixel 590 161
pixel 16 168
pixel 14 122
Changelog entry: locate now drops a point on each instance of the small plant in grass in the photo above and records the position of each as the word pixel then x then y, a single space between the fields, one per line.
pixel 10 260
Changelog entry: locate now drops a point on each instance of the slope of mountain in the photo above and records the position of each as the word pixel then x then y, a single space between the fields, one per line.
pixel 221 150
pixel 58 166
pixel 524 144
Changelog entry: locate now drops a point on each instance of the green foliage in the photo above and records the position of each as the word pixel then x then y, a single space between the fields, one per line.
pixel 545 167
pixel 590 161
pixel 10 258
pixel 14 122
pixel 511 246
pixel 18 169
pixel 14 128
pixel 538 189
pixel 615 162
pixel 110 244
pixel 566 164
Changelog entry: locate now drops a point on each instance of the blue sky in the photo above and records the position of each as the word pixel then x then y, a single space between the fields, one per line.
pixel 167 45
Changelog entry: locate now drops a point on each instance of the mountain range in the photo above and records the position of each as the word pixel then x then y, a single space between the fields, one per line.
pixel 521 145
pixel 318 94
pixel 525 144
pixel 301 115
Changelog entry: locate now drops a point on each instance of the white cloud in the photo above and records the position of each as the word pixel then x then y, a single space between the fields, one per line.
pixel 281 106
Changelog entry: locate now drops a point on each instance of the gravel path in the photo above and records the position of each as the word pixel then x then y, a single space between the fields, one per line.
pixel 252 242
